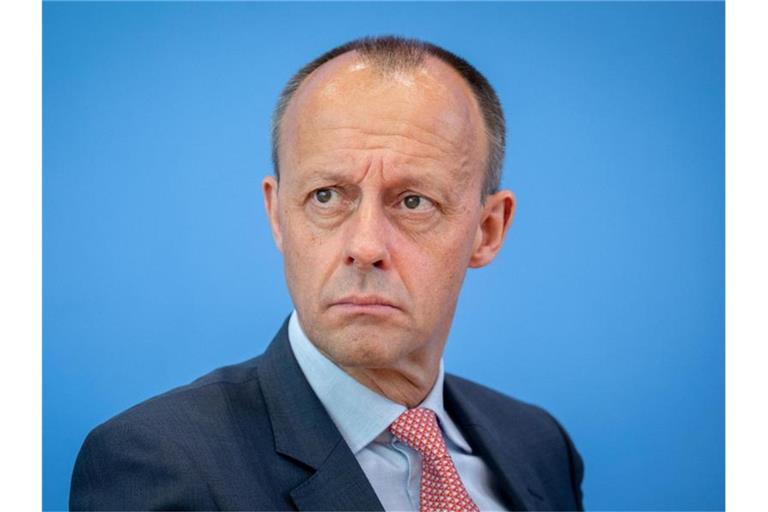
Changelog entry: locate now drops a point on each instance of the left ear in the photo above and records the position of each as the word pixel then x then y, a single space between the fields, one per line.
pixel 497 215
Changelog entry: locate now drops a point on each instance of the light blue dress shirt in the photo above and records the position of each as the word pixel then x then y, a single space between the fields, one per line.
pixel 363 417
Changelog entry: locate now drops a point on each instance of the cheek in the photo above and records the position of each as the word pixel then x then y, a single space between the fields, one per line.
pixel 434 269
pixel 451 249
pixel 308 254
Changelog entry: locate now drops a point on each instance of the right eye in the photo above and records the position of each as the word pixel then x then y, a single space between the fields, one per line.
pixel 324 195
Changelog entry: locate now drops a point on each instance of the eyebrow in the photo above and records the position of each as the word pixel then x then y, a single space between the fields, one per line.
pixel 323 176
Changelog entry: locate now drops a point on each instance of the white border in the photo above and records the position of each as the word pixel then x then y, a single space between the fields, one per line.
pixel 746 254
pixel 20 254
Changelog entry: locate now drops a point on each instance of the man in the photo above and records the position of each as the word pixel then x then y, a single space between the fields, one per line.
pixel 387 160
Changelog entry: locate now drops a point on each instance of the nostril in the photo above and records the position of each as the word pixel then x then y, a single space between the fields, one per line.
pixel 363 262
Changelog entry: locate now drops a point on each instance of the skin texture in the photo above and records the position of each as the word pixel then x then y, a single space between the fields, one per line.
pixel 378 215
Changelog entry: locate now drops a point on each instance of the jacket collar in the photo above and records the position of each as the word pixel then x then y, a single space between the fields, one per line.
pixel 304 432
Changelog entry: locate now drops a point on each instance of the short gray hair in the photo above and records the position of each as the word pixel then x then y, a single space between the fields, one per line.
pixel 392 53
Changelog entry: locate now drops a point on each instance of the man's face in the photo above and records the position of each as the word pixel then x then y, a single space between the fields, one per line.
pixel 378 212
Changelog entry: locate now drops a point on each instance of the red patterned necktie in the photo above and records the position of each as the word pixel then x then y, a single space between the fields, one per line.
pixel 441 487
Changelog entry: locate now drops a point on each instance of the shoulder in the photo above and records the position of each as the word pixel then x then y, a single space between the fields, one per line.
pixel 503 407
pixel 537 435
pixel 190 402
pixel 161 444
pixel 534 426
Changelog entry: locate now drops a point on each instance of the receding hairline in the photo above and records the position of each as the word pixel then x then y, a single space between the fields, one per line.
pixel 438 72
pixel 386 68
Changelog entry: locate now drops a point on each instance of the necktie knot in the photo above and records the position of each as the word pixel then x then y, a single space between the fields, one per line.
pixel 418 429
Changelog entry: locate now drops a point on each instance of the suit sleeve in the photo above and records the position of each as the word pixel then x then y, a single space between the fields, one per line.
pixel 125 466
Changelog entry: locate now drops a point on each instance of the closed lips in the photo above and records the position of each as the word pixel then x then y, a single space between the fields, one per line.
pixel 365 301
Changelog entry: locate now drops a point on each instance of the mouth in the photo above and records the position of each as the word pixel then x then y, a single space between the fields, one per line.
pixel 370 304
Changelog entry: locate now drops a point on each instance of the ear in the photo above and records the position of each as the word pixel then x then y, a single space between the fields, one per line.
pixel 498 211
pixel 270 186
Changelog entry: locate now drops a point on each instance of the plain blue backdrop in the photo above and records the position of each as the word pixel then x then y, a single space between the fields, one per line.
pixel 606 305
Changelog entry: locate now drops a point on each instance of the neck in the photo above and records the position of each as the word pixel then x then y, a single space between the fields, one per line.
pixel 408 386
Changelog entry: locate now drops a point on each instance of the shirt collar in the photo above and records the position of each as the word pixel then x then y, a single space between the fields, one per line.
pixel 341 395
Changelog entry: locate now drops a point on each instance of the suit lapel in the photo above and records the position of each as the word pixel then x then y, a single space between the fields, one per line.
pixel 304 432
pixel 336 485
pixel 501 452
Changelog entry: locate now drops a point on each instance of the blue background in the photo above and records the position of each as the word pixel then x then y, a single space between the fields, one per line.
pixel 606 305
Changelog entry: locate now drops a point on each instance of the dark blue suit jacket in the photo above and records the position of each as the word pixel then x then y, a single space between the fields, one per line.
pixel 254 436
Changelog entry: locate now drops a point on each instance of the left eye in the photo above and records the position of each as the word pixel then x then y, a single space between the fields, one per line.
pixel 414 202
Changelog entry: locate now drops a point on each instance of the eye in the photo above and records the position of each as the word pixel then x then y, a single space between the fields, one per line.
pixel 324 195
pixel 416 202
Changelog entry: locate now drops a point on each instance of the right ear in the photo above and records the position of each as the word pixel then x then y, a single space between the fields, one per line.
pixel 269 186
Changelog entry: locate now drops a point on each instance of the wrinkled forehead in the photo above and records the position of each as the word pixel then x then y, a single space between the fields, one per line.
pixel 430 102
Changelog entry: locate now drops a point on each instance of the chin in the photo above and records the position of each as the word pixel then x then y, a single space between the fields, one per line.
pixel 364 350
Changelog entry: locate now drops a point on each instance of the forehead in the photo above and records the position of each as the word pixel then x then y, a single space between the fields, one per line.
pixel 424 115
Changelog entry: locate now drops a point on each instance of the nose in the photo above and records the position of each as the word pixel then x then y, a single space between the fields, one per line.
pixel 366 244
